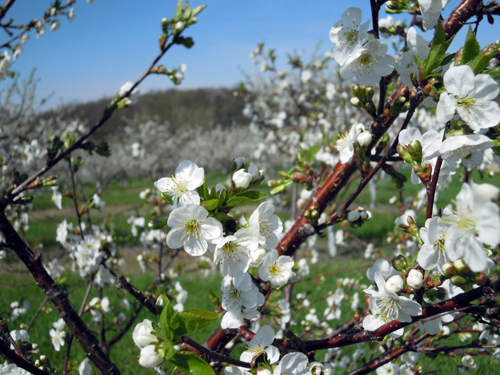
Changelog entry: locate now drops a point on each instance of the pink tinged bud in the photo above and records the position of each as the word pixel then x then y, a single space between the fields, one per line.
pixel 415 279
pixel 449 269
pixel 242 179
pixel 149 358
pixel 394 284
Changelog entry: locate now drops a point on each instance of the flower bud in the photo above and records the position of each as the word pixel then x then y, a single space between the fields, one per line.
pixel 238 163
pixel 364 139
pixel 179 26
pixel 364 214
pixel 353 216
pixel 263 371
pixel 394 284
pixel 405 155
pixel 400 263
pixel 142 335
pixel 415 150
pixel 242 179
pixel 458 280
pixel 415 279
pixel 355 102
pixel 149 358
pixel 461 267
pixel 256 174
pixel 449 269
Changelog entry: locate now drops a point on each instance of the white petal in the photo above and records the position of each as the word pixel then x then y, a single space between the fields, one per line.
pixel 445 108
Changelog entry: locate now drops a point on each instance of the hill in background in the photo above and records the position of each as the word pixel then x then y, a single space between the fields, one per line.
pixel 202 107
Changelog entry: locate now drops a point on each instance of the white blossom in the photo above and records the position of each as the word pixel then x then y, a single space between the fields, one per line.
pixel 182 186
pixel 192 228
pixel 276 269
pixel 471 97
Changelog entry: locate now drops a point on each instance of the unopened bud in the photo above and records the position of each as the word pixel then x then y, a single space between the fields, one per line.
pixel 238 163
pixel 449 269
pixel 400 263
pixel 161 41
pixel 405 155
pixel 364 139
pixel 353 216
pixel 482 279
pixel 50 181
pixel 458 280
pixel 369 93
pixel 461 267
pixel 415 279
pixel 415 150
pixel 394 284
pixel 355 102
pixel 297 177
pixel 356 316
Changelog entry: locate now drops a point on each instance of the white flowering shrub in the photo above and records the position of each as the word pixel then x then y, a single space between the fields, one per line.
pixel 427 107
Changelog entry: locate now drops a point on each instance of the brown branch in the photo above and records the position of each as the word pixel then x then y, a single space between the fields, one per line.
pixel 58 298
pixel 11 356
pixel 431 192
pixel 460 15
pixel 212 354
pixel 6 8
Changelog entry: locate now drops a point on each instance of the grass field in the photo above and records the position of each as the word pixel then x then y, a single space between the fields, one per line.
pixel 122 200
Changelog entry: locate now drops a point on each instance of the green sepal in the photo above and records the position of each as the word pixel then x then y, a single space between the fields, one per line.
pixel 253 195
pixel 197 10
pixel 167 198
pixel 222 199
pixel 190 364
pixel 210 204
pixel 471 48
pixel 191 320
pixel 165 350
pixel 311 153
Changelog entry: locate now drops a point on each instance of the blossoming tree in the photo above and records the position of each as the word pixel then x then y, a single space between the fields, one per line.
pixel 444 274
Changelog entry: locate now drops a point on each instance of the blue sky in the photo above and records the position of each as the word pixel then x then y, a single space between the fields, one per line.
pixel 113 41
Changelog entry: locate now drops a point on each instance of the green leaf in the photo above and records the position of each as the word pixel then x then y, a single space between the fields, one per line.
pixel 495 73
pixel 234 201
pixel 178 10
pixel 205 188
pixel 191 320
pixel 166 318
pixel 210 204
pixel 448 59
pixel 253 195
pixel 311 153
pixel 435 58
pixel 222 198
pixel 190 364
pixel 188 42
pixel 440 36
pixel 482 60
pixel 471 48
pixel 187 11
pixel 197 10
